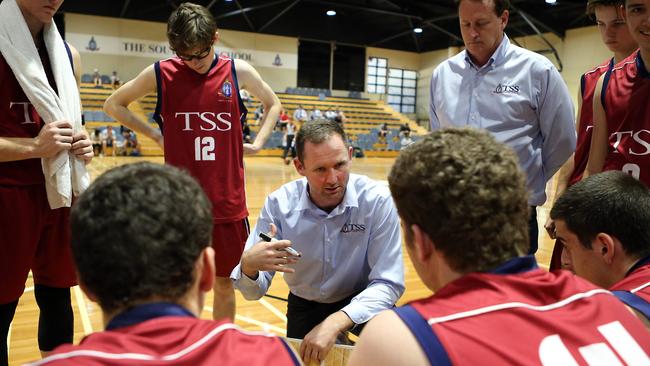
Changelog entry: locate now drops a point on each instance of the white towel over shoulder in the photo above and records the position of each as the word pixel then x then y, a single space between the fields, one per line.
pixel 64 173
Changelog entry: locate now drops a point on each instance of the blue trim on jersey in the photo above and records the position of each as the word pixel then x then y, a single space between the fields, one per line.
pixel 603 91
pixel 290 351
pixel 242 107
pixel 633 301
pixel 582 86
pixel 146 312
pixel 67 50
pixel 516 265
pixel 642 262
pixel 422 331
pixel 156 113
pixel 640 67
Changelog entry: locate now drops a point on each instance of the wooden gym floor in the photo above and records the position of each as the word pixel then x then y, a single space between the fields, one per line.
pixel 263 175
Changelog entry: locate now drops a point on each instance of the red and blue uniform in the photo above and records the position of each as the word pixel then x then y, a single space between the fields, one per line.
pixel 520 314
pixel 33 236
pixel 588 83
pixel 167 334
pixel 625 96
pixel 634 289
pixel 201 117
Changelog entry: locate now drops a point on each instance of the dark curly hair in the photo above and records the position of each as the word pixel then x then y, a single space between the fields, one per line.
pixel 466 191
pixel 137 232
pixel 190 26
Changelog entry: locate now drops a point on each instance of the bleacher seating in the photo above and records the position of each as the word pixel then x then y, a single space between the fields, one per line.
pixel 363 117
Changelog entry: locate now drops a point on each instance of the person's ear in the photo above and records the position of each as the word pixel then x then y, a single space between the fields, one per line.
pixel 504 19
pixel 207 269
pixel 422 245
pixel 300 167
pixel 605 247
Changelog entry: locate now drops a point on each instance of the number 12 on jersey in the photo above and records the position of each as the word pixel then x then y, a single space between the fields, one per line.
pixel 204 148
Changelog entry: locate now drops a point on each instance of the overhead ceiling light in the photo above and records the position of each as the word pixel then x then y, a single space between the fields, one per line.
pixel 417 30
pixel 331 13
pixel 551 1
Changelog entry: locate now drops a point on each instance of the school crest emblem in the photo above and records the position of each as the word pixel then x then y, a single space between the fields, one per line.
pixel 226 89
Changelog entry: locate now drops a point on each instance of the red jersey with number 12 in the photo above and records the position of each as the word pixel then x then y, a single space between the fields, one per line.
pixel 201 117
pixel 627 92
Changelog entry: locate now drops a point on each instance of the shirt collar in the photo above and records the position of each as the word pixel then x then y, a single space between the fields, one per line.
pixel 642 262
pixel 640 66
pixel 497 57
pixel 141 313
pixel 350 198
pixel 516 265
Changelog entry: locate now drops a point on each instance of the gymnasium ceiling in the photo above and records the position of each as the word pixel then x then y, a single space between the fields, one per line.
pixel 376 23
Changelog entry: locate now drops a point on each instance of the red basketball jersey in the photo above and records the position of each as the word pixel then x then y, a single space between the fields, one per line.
pixel 175 340
pixel 20 119
pixel 588 83
pixel 201 117
pixel 530 317
pixel 627 92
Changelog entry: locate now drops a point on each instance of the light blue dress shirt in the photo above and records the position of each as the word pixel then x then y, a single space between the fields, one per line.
pixel 520 97
pixel 356 248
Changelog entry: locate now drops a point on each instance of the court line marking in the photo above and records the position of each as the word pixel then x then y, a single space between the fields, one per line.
pixel 273 309
pixel 265 326
pixel 83 311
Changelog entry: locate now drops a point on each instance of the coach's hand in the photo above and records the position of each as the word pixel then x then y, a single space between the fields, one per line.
pixel 267 256
pixel 320 340
pixel 53 138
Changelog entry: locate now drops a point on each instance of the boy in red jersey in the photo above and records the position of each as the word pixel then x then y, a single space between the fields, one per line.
pixel 603 222
pixel 150 274
pixel 463 203
pixel 615 35
pixel 621 137
pixel 201 115
pixel 32 235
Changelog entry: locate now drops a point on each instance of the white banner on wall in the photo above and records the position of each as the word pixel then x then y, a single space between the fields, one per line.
pixel 107 45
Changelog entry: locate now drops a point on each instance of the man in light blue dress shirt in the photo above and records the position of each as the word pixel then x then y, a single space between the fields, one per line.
pixel 516 94
pixel 347 230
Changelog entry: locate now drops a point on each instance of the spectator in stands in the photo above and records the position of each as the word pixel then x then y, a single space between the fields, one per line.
pixel 108 140
pixel 603 222
pixel 340 116
pixel 115 80
pixel 330 114
pixel 97 78
pixel 152 313
pixel 383 132
pixel 245 96
pixel 300 114
pixel 259 114
pixel 283 119
pixel 315 114
pixel 289 142
pixel 131 144
pixel 98 147
pixel 246 130
pixel 406 140
pixel 462 200
pixel 404 129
